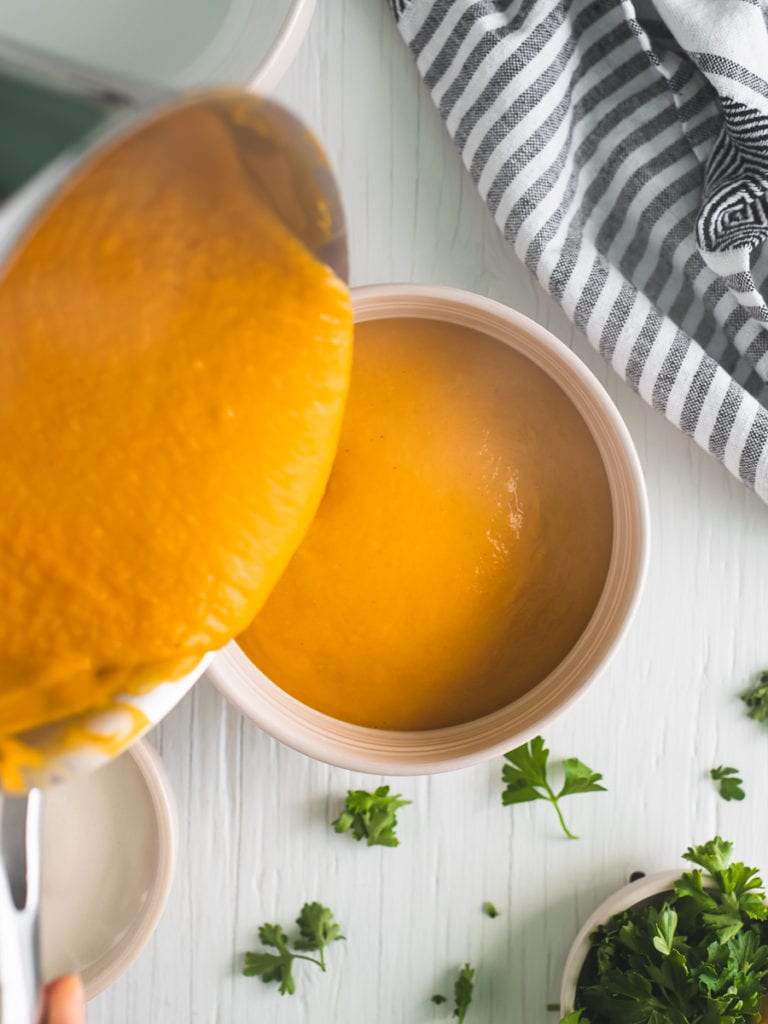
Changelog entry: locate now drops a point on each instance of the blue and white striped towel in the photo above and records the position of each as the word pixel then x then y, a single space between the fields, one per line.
pixel 622 148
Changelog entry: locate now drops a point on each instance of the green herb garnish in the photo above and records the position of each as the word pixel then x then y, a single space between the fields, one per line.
pixel 526 778
pixel 371 816
pixel 490 910
pixel 462 992
pixel 437 999
pixel 317 929
pixel 695 955
pixel 756 699
pixel 730 783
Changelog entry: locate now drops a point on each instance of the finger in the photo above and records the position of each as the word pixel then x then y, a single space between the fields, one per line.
pixel 65 1001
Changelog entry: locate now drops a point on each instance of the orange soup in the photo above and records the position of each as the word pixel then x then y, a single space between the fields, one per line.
pixel 174 365
pixel 462 543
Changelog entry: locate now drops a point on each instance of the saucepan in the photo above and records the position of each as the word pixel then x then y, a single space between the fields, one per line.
pixel 56 118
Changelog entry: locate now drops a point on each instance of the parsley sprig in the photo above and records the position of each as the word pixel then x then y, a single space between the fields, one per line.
pixel 371 816
pixel 526 778
pixel 697 955
pixel 317 929
pixel 731 787
pixel 462 992
pixel 756 698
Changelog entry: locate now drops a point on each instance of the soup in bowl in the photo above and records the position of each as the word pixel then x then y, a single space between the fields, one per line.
pixel 477 555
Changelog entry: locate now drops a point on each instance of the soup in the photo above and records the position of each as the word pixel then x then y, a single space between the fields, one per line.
pixel 462 543
pixel 173 370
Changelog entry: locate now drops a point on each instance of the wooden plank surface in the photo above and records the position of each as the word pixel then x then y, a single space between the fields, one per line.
pixel 255 840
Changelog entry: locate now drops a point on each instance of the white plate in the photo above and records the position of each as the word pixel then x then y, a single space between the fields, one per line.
pixel 180 44
pixel 108 853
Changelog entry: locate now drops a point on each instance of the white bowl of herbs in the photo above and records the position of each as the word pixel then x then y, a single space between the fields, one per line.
pixel 674 948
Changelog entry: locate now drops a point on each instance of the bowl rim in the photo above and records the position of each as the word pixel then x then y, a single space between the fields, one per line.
pixel 210 65
pixel 284 47
pixel 105 971
pixel 627 896
pixel 430 751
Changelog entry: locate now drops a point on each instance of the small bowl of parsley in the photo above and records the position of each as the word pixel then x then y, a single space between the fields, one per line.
pixel 674 948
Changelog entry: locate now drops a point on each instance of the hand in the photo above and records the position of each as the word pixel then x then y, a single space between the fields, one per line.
pixel 64 1001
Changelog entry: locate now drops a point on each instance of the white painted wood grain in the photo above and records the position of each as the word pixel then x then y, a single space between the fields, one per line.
pixel 255 841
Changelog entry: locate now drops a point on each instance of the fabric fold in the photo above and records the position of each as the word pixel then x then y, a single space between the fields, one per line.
pixel 622 148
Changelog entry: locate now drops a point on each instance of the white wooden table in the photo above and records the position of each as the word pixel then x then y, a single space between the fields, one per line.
pixel 254 816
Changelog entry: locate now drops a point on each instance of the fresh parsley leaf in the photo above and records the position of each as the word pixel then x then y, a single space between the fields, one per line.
pixel 530 761
pixel 526 778
pixel 696 955
pixel 665 931
pixel 756 698
pixel 730 783
pixel 371 816
pixel 714 856
pixel 579 778
pixel 437 999
pixel 691 884
pixel 317 929
pixel 724 923
pixel 272 966
pixel 462 992
pixel 490 910
pixel 273 935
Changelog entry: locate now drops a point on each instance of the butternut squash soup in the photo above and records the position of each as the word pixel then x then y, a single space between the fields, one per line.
pixel 462 543
pixel 173 370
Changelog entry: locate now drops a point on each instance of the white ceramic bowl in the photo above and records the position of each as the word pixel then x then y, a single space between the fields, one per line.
pixel 108 855
pixel 176 44
pixel 422 752
pixel 635 892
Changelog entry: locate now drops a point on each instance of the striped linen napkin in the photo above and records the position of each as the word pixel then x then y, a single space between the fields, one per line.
pixel 622 148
